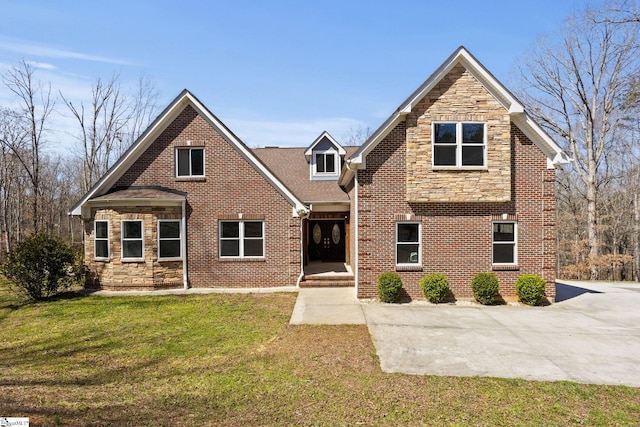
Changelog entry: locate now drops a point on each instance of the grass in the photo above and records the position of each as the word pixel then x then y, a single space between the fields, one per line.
pixel 235 360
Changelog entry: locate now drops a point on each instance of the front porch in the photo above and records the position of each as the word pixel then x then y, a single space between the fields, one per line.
pixel 319 274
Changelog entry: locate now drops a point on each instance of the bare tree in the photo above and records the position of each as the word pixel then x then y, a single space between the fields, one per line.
pixel 36 105
pixel 356 135
pixel 576 88
pixel 110 123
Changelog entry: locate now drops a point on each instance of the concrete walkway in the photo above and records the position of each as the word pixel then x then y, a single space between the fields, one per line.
pixel 327 306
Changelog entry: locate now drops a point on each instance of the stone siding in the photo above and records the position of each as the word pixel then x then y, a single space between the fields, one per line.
pixel 458 97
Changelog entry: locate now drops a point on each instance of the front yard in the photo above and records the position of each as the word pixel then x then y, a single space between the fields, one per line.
pixel 235 360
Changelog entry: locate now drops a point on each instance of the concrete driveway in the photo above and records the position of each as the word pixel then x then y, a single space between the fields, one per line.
pixel 592 335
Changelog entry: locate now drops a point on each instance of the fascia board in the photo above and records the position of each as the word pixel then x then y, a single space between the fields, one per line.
pixel 325 134
pixel 538 136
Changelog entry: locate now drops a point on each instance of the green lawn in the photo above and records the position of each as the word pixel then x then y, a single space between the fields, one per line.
pixel 234 360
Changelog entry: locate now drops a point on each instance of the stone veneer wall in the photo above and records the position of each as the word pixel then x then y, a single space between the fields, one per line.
pixel 132 275
pixel 458 97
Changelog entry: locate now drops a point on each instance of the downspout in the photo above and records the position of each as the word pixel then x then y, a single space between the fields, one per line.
pixel 302 214
pixel 357 228
pixel 183 244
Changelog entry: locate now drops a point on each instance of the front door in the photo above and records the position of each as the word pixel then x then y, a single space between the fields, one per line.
pixel 326 240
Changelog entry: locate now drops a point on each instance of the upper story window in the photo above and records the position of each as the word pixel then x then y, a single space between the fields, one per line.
pixel 325 158
pixel 189 162
pixel 460 145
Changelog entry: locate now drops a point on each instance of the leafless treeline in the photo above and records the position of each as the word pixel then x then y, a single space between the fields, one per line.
pixel 37 188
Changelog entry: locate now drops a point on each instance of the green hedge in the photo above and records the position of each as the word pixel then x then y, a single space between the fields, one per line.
pixel 389 286
pixel 435 287
pixel 530 289
pixel 485 288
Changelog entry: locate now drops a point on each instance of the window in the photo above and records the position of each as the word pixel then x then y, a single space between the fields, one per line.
pixel 169 243
pixel 241 239
pixel 325 163
pixel 407 243
pixel 101 239
pixel 504 242
pixel 189 162
pixel 132 247
pixel 459 145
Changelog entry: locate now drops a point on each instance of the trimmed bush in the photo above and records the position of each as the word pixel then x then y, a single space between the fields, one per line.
pixel 435 287
pixel 530 289
pixel 389 286
pixel 41 266
pixel 485 288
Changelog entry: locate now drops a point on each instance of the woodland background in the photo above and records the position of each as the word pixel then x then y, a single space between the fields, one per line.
pixel 581 83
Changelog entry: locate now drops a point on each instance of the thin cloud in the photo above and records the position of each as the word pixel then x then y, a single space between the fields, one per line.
pixel 30 48
pixel 42 65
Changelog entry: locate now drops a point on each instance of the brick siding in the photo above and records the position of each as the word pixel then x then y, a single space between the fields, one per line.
pixel 232 189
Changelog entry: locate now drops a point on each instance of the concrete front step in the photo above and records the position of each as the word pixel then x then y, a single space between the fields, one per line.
pixel 327 283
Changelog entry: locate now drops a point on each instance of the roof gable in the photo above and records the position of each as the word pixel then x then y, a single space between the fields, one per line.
pixel 516 111
pixel 168 115
pixel 321 141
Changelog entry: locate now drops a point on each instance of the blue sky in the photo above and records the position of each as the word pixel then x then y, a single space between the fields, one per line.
pixel 275 72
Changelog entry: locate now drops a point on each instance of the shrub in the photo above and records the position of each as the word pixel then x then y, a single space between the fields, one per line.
pixel 485 287
pixel 531 289
pixel 41 266
pixel 435 287
pixel 389 286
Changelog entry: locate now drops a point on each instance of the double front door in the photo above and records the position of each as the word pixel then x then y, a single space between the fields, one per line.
pixel 326 240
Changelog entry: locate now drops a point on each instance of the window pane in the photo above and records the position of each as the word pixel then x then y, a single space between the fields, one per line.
pixel 170 249
pixel 253 247
pixel 320 163
pixel 473 133
pixel 330 163
pixel 102 249
pixel 229 248
pixel 102 229
pixel 407 254
pixel 472 156
pixel 444 155
pixel 132 229
pixel 132 249
pixel 253 229
pixel 170 230
pixel 230 229
pixel 407 232
pixel 503 232
pixel 197 162
pixel 183 162
pixel 445 132
pixel 503 253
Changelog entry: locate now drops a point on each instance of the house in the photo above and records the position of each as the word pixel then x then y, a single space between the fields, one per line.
pixel 459 180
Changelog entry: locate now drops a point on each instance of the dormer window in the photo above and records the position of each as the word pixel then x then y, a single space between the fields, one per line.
pixel 325 158
pixel 326 163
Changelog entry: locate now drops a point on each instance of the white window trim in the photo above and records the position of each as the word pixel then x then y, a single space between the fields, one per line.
pixel 337 163
pixel 191 175
pixel 395 247
pixel 514 243
pixel 122 239
pixel 179 239
pixel 241 239
pixel 458 165
pixel 95 238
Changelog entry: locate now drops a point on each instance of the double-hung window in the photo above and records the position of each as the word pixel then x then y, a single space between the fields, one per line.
pixel 101 240
pixel 504 243
pixel 407 243
pixel 326 163
pixel 132 240
pixel 189 162
pixel 459 145
pixel 241 239
pixel 169 242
